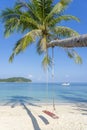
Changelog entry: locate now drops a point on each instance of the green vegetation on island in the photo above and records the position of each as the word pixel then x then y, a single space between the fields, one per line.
pixel 16 79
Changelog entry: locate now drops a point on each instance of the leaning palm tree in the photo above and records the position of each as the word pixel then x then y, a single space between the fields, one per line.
pixel 76 41
pixel 40 21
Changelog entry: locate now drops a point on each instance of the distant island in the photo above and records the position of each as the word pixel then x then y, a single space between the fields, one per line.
pixel 16 79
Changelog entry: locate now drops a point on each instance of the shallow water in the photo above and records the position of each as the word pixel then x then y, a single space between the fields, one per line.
pixel 39 92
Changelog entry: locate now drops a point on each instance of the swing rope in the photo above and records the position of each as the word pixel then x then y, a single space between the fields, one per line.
pixel 53 76
pixel 51 114
pixel 47 86
pixel 52 79
pixel 46 82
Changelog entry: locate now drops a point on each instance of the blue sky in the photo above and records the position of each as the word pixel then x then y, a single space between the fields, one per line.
pixel 28 64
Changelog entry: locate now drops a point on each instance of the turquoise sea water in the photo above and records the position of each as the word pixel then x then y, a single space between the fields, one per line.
pixel 37 92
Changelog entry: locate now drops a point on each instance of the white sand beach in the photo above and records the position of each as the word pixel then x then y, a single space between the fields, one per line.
pixel 28 117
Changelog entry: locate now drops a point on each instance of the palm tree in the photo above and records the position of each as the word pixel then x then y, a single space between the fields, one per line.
pixel 39 19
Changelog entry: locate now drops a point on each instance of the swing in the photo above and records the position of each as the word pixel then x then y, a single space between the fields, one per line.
pixel 46 111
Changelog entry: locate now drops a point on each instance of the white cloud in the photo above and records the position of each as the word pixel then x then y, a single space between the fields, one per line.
pixel 30 76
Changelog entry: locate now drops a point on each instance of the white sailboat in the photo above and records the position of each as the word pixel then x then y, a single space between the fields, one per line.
pixel 66 84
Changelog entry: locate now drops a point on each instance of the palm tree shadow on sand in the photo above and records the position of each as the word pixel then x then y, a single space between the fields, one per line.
pixel 80 103
pixel 20 100
pixel 24 101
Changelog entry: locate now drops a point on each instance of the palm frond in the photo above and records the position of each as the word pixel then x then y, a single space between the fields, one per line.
pixel 63 31
pixel 10 26
pixel 47 62
pixel 29 38
pixel 28 23
pixel 61 18
pixel 19 5
pixel 77 58
pixel 16 20
pixel 39 49
pixel 11 57
pixel 74 55
pixel 22 44
pixel 9 13
pixel 29 7
pixel 43 8
pixel 38 9
pixel 58 9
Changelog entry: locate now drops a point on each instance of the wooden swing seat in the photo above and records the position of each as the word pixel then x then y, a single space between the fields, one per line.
pixel 51 114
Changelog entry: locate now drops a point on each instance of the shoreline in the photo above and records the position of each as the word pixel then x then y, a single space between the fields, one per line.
pixel 18 103
pixel 42 102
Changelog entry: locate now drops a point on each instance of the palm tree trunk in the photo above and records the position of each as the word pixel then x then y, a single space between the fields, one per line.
pixel 79 41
